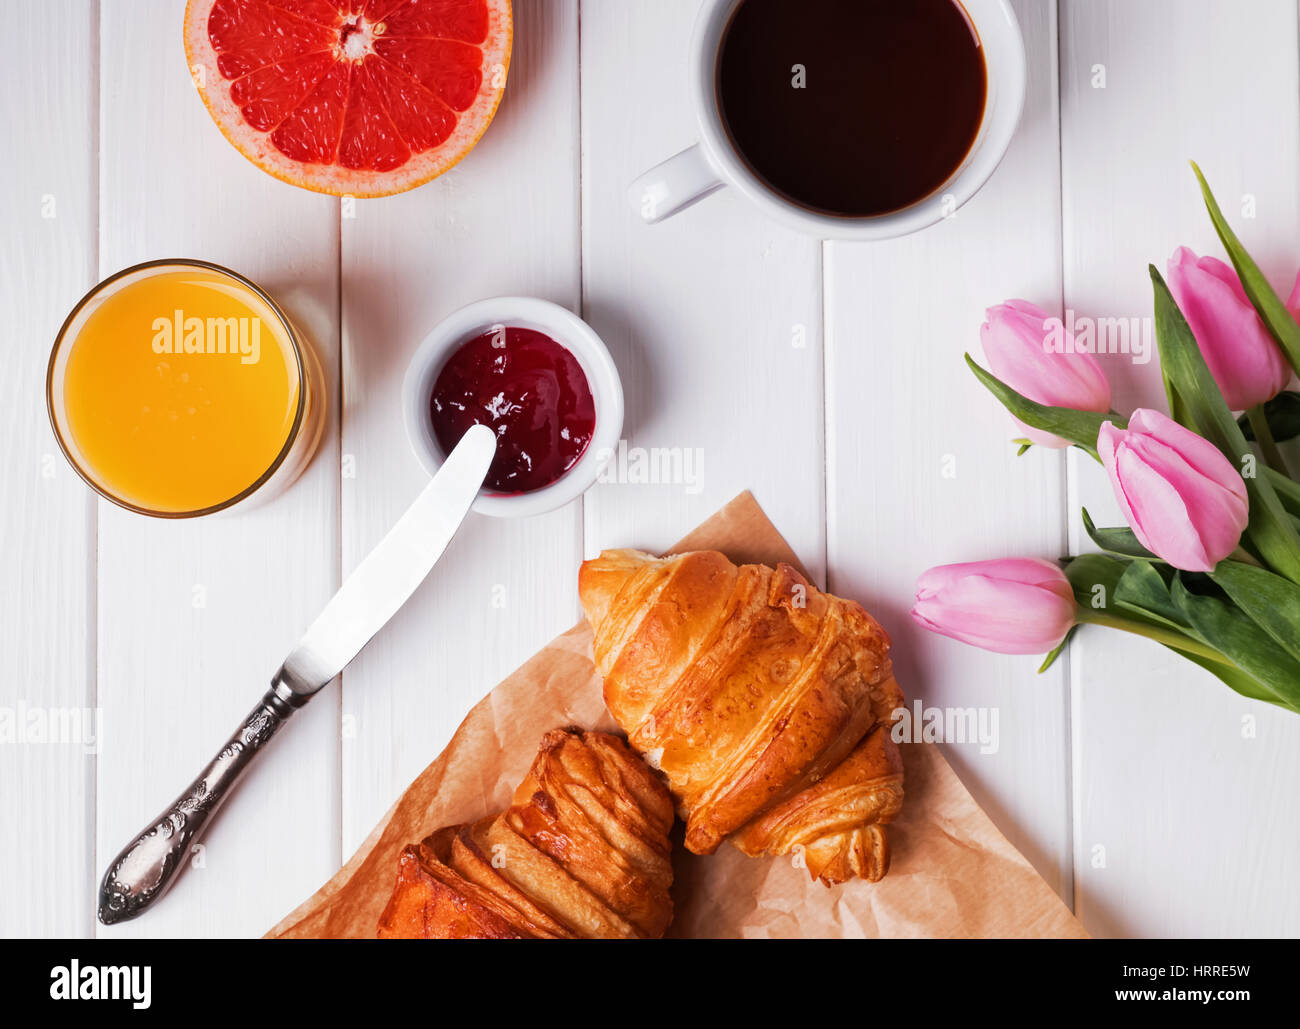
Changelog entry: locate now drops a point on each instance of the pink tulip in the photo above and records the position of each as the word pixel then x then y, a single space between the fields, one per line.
pixel 1022 352
pixel 1019 605
pixel 1244 360
pixel 1185 501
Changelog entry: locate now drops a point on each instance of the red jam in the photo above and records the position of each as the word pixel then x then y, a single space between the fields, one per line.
pixel 527 388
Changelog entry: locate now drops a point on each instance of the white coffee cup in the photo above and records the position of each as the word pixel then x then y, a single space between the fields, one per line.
pixel 713 162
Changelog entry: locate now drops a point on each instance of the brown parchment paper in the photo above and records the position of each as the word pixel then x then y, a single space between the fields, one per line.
pixel 952 873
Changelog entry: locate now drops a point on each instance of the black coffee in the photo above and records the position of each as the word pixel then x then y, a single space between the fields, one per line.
pixel 852 107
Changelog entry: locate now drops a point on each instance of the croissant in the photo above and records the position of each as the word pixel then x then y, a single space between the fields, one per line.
pixel 582 852
pixel 766 703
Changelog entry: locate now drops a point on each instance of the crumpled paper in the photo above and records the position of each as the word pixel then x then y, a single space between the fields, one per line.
pixel 953 874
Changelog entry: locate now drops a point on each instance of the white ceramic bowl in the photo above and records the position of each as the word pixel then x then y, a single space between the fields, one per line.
pixel 567 329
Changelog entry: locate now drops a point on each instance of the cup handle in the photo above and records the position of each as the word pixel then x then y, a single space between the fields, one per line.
pixel 674 185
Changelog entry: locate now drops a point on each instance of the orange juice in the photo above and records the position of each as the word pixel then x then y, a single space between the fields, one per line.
pixel 179 388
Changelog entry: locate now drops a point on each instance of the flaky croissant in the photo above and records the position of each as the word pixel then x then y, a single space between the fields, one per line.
pixel 583 852
pixel 766 702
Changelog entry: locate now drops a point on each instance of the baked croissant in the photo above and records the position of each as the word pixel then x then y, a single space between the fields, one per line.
pixel 583 852
pixel 766 702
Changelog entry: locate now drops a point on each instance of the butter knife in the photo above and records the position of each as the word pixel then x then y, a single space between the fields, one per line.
pixel 377 587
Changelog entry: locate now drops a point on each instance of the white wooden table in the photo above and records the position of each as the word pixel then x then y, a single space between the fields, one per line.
pixel 1151 798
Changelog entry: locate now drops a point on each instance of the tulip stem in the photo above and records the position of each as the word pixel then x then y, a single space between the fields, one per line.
pixel 1267 444
pixel 1169 637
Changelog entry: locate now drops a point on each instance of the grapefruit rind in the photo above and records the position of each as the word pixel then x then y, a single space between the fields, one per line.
pixel 335 179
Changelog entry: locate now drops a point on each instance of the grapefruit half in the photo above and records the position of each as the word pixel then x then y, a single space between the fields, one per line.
pixel 357 97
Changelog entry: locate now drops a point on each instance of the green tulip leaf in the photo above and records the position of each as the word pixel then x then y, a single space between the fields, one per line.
pixel 1098 583
pixel 1272 311
pixel 1283 416
pixel 1238 638
pixel 1116 541
pixel 1235 679
pixel 1118 591
pixel 1271 601
pixel 1204 410
pixel 1142 590
pixel 1288 491
pixel 1093 577
pixel 1050 659
pixel 1079 427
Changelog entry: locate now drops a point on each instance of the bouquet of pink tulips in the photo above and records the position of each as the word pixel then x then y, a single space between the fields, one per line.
pixel 1209 564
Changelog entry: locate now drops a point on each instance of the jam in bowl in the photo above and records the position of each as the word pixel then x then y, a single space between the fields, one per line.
pixel 539 377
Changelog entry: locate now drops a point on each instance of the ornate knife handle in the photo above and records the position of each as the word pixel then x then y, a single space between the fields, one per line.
pixel 154 860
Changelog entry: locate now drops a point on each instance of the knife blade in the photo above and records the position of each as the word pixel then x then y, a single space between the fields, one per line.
pixel 390 573
pixel 371 595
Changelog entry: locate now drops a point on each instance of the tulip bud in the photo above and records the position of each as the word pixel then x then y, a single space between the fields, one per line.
pixel 1022 352
pixel 1185 501
pixel 1019 605
pixel 1244 360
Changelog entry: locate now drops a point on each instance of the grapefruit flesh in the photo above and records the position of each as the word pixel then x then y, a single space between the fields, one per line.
pixel 356 97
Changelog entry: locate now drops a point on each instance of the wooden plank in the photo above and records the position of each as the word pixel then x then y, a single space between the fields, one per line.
pixel 195 616
pixel 1183 791
pixel 504 221
pixel 714 317
pixel 920 468
pixel 47 261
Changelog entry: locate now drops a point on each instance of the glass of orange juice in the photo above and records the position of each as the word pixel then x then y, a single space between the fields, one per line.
pixel 178 388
